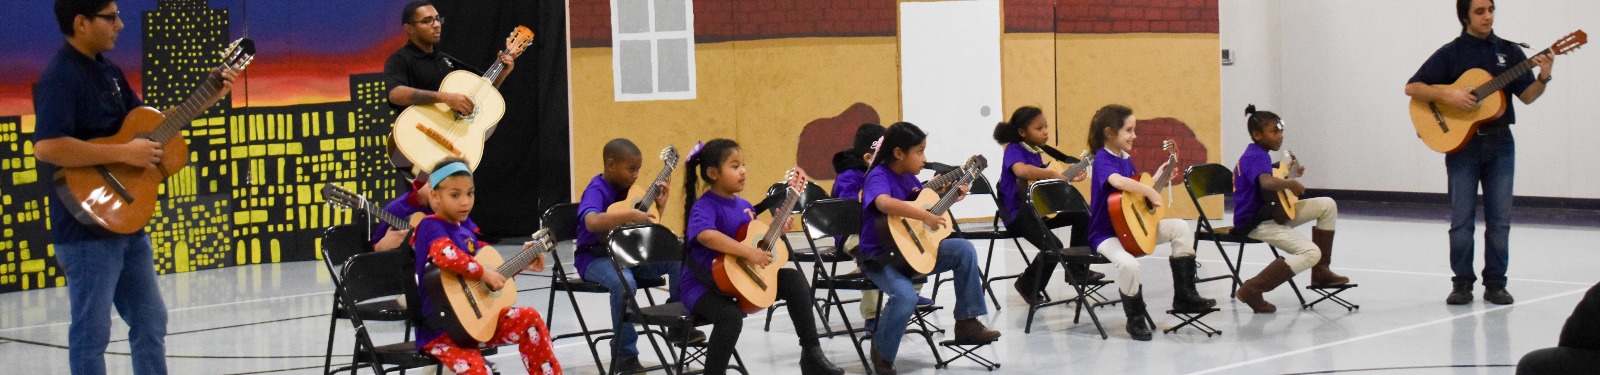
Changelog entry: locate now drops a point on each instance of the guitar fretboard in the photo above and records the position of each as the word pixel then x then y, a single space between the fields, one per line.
pixel 1505 78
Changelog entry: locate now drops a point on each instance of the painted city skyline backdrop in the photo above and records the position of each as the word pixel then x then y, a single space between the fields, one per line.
pixel 307 49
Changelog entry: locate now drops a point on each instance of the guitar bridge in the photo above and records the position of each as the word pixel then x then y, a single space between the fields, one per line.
pixel 914 237
pixel 439 138
pixel 1434 108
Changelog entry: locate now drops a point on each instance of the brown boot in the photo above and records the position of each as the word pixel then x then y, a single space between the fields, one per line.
pixel 1320 273
pixel 971 330
pixel 881 366
pixel 1276 274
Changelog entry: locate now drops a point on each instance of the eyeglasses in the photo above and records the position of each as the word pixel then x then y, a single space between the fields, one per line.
pixel 113 17
pixel 430 21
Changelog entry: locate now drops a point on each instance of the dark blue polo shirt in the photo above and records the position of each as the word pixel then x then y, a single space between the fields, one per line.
pixel 84 98
pixel 1466 52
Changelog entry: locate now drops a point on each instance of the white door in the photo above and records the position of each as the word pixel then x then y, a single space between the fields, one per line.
pixel 950 83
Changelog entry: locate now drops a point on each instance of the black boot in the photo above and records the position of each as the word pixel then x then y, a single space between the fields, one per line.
pixel 1461 294
pixel 1138 323
pixel 813 362
pixel 881 366
pixel 1496 294
pixel 1184 297
pixel 1081 273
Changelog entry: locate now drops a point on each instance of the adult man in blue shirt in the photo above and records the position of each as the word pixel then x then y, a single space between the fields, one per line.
pixel 1489 159
pixel 80 96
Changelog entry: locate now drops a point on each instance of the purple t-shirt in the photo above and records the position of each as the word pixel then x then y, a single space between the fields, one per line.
pixel 710 212
pixel 1010 193
pixel 598 196
pixel 847 186
pixel 882 180
pixel 465 237
pixel 402 207
pixel 1247 194
pixel 1105 164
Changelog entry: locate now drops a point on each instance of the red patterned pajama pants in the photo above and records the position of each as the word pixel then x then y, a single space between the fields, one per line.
pixel 515 322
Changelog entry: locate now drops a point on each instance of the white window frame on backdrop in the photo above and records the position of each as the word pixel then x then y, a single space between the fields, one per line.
pixel 675 40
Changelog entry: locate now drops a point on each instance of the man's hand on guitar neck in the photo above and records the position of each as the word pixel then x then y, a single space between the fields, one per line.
pixel 509 62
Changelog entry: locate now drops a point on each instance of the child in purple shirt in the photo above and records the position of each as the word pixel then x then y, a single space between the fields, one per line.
pixel 1112 132
pixel 415 201
pixel 593 259
pixel 1254 187
pixel 891 182
pixel 711 224
pixel 1022 137
pixel 448 241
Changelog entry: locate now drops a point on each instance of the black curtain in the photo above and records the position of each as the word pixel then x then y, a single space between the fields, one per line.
pixel 525 164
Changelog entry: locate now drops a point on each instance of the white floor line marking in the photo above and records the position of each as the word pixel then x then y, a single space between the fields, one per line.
pixel 1418 273
pixel 169 311
pixel 1373 335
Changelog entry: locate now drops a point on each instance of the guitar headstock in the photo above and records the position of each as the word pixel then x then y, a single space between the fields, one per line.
pixel 338 195
pixel 669 155
pixel 519 41
pixel 239 54
pixel 1570 42
pixel 796 180
pixel 543 238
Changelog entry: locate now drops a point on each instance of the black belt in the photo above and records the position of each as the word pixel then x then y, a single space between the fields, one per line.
pixel 1494 130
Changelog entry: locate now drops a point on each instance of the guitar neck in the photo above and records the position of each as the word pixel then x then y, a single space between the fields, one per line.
pixel 1165 177
pixel 515 264
pixel 494 70
pixel 945 179
pixel 651 192
pixel 1500 81
pixel 1078 168
pixel 388 218
pixel 189 109
pixel 949 197
pixel 779 218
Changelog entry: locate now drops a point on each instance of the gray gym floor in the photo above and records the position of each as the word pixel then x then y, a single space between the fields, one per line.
pixel 274 318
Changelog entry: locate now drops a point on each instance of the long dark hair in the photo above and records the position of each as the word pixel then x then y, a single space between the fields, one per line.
pixel 1011 132
pixel 1258 120
pixel 900 136
pixel 1111 117
pixel 710 156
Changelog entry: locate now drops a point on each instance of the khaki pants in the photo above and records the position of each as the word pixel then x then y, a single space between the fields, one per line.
pixel 1302 252
pixel 1174 231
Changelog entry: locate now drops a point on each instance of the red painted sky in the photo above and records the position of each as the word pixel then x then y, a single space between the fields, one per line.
pixel 272 80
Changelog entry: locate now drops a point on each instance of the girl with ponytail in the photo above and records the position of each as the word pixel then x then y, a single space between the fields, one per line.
pixel 1022 138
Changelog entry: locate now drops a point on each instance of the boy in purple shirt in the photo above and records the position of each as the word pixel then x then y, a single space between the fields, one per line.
pixel 448 241
pixel 593 258
pixel 1022 138
pixel 890 184
pixel 711 224
pixel 1112 132
pixel 1254 187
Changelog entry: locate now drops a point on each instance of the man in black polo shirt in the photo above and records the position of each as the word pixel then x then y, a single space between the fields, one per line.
pixel 1489 159
pixel 417 69
pixel 81 95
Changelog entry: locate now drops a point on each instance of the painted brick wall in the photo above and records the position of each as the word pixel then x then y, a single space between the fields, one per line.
pixel 1148 145
pixel 1029 16
pixel 729 20
pixel 1135 16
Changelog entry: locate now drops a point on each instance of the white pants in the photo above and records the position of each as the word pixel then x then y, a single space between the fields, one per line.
pixel 1174 231
pixel 1302 252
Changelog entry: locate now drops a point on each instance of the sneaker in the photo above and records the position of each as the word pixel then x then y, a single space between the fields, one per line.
pixel 694 336
pixel 871 324
pixel 924 301
pixel 1497 295
pixel 1461 294
pixel 626 365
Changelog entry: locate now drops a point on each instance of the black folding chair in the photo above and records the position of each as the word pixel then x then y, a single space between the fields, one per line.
pixel 372 276
pixel 1212 179
pixel 812 193
pixel 562 221
pixel 981 186
pixel 339 243
pixel 638 244
pixel 1056 197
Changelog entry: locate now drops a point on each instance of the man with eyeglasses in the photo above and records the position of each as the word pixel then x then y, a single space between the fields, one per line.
pixel 417 69
pixel 82 95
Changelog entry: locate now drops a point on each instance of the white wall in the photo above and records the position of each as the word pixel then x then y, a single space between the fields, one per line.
pixel 1341 69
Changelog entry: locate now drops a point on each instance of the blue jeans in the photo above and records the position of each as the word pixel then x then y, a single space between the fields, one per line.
pixel 114 271
pixel 600 272
pixel 1489 161
pixel 954 255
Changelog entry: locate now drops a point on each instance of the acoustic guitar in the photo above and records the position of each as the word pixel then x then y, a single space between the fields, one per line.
pixel 1070 170
pixel 1445 128
pixel 1288 168
pixel 755 287
pixel 424 134
pixel 913 246
pixel 1134 218
pixel 468 311
pixel 339 196
pixel 119 198
pixel 646 201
